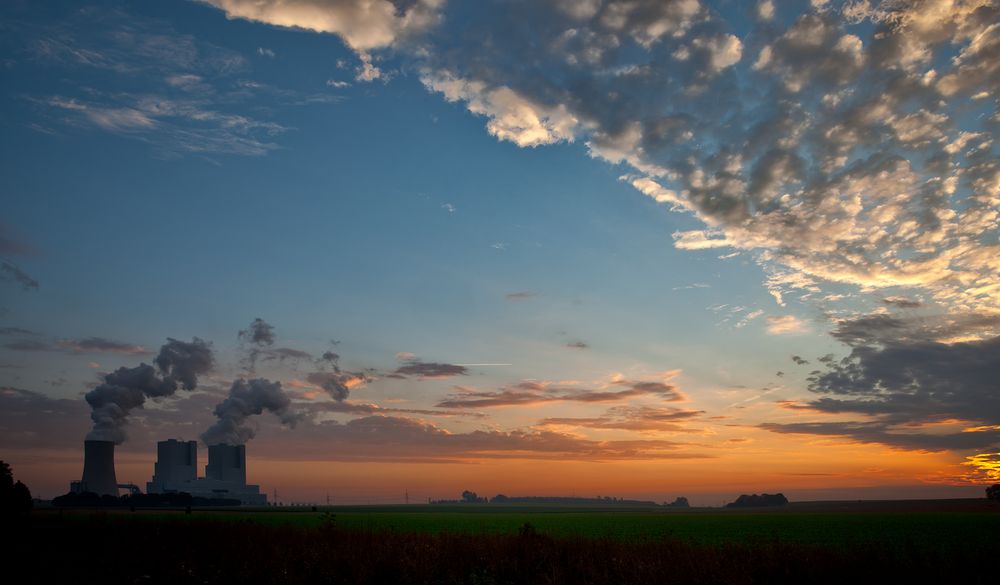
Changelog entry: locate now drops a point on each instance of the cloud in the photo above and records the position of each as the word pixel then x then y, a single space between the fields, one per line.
pixel 31 420
pixel 337 384
pixel 784 325
pixel 880 328
pixel 881 433
pixel 902 303
pixel 362 24
pixel 425 370
pixel 85 345
pixel 265 52
pixel 799 360
pixel 642 419
pixel 765 10
pixel 901 386
pixel 522 295
pixel 10 272
pixel 577 345
pixel 531 392
pixel 16 331
pixel 393 438
pixel 100 345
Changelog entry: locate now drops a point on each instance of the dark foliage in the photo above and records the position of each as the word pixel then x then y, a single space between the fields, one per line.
pixel 186 549
pixel 15 497
pixel 993 492
pixel 176 500
pixel 680 502
pixel 759 501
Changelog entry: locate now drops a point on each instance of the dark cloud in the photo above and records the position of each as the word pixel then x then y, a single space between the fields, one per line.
pixel 10 272
pixel 430 370
pixel 85 345
pixel 577 345
pixel 16 331
pixel 885 434
pixel 178 364
pixel 528 393
pixel 520 295
pixel 260 333
pixel 286 353
pixel 100 345
pixel 888 329
pixel 902 303
pixel 248 398
pixel 799 360
pixel 901 386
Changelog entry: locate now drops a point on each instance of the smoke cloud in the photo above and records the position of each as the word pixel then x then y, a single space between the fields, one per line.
pixel 178 365
pixel 258 336
pixel 248 398
pixel 335 381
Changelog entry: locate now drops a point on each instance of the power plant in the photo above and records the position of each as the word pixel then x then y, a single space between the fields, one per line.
pixel 225 474
pixel 175 471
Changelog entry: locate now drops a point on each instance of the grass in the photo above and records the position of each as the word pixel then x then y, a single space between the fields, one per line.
pixel 482 547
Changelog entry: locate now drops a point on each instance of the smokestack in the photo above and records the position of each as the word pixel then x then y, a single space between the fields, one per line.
pixel 99 468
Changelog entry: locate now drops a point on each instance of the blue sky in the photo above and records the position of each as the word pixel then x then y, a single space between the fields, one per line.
pixel 177 169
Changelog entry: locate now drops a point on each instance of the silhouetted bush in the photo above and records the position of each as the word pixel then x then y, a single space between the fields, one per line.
pixel 680 502
pixel 759 501
pixel 993 492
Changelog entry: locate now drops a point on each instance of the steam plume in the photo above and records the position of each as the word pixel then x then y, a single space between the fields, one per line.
pixel 178 365
pixel 247 398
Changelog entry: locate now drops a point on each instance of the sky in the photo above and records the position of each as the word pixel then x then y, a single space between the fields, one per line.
pixel 635 248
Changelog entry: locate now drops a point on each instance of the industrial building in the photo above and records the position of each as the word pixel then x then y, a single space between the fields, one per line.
pixel 175 471
pixel 225 474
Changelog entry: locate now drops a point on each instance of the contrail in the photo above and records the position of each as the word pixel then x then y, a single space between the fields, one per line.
pixel 470 365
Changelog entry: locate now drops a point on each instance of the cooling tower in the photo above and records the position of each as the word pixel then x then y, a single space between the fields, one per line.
pixel 227 463
pixel 99 468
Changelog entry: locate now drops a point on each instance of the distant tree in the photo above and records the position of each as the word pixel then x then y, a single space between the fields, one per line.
pixel 472 498
pixel 680 502
pixel 993 492
pixel 758 501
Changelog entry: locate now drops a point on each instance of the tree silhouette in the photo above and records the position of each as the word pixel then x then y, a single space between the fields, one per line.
pixel 993 492
pixel 14 497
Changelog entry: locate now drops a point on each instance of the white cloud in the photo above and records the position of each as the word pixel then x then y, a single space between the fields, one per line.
pixel 784 325
pixel 363 24
pixel 511 116
pixel 765 10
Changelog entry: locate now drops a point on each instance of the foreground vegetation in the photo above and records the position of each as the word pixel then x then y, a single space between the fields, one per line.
pixel 551 547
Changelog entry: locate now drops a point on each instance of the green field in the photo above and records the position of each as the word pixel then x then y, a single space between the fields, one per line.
pixel 929 527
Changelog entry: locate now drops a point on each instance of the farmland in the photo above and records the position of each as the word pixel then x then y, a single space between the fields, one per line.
pixel 545 544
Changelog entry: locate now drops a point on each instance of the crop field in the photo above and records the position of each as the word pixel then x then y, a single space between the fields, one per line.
pixel 696 526
pixel 513 544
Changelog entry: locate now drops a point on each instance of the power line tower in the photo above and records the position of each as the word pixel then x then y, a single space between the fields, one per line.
pixel 327 498
pixel 407 497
